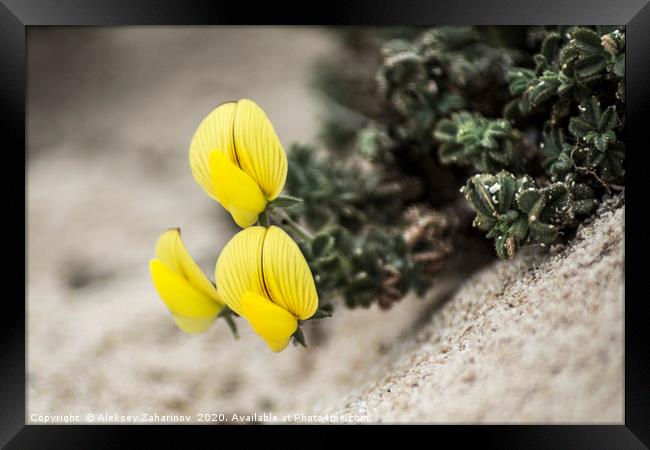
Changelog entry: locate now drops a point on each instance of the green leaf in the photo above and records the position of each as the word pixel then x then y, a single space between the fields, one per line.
pixel 263 218
pixel 557 209
pixel 285 201
pixel 543 233
pixel 619 66
pixel 487 144
pixel 299 337
pixel 519 229
pixel 590 65
pixel 445 130
pixel 519 79
pixel 593 110
pixel 321 314
pixel 477 193
pixel 501 247
pixel 561 165
pixel 504 190
pixel 595 126
pixel 488 141
pixel 602 141
pixel 329 263
pixel 578 127
pixel 554 143
pixel 526 200
pixel 450 153
pixel 609 119
pixel 545 88
pixel 550 46
pixel 587 40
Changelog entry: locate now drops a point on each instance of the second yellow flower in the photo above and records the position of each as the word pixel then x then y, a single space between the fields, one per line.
pixel 262 275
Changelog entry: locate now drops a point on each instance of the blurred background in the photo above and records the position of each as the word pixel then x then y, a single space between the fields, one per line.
pixel 111 112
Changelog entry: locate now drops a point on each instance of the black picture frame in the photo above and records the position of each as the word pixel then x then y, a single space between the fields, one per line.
pixel 17 15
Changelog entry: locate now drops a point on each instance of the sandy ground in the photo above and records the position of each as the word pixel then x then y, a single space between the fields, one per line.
pixel 110 116
pixel 537 339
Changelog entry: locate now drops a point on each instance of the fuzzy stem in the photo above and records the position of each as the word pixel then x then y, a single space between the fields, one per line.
pixel 227 315
pixel 295 227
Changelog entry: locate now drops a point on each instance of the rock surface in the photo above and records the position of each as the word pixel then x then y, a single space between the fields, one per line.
pixel 536 339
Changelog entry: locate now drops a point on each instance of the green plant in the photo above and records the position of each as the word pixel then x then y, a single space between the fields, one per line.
pixel 597 146
pixel 515 211
pixel 366 247
pixel 529 121
pixel 471 139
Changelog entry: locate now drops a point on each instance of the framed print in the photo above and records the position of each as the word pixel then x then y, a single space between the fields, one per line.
pixel 406 213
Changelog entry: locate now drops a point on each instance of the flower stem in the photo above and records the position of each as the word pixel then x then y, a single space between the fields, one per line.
pixel 295 227
pixel 227 314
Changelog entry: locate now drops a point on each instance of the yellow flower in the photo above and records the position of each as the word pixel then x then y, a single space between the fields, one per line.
pixel 263 277
pixel 236 156
pixel 183 287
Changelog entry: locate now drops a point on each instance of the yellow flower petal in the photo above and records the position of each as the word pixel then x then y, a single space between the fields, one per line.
pixel 192 309
pixel 273 323
pixel 171 251
pixel 215 132
pixel 193 325
pixel 287 277
pixel 239 267
pixel 259 151
pixel 236 191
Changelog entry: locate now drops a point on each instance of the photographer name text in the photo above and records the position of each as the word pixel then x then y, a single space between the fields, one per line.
pixel 152 418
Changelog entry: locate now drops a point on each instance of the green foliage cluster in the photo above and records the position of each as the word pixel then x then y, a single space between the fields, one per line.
pixel 431 78
pixel 515 211
pixel 375 267
pixel 339 193
pixel 571 65
pixel 357 251
pixel 577 142
pixel 526 122
pixel 487 145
